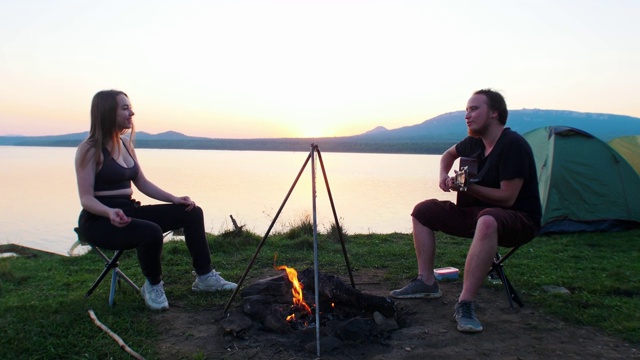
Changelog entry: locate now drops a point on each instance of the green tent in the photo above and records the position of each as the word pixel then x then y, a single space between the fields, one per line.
pixel 629 148
pixel 585 185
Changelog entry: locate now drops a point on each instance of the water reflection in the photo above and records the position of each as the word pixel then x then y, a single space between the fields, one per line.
pixel 373 193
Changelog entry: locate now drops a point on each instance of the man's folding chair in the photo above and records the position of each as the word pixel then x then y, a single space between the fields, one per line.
pixel 467 171
pixel 110 264
pixel 497 270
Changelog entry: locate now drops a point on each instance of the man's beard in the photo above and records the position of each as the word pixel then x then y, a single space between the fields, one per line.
pixel 478 132
pixel 473 133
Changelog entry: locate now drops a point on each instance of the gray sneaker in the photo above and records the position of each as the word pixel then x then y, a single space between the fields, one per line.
pixel 465 316
pixel 154 296
pixel 212 282
pixel 417 289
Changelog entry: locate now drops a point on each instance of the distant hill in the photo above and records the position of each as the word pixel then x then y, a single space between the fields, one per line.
pixel 75 139
pixel 451 126
pixel 377 130
pixel 432 136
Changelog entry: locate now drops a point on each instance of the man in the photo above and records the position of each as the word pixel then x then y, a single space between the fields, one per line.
pixel 506 206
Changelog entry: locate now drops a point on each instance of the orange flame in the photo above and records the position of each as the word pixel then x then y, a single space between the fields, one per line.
pixel 296 290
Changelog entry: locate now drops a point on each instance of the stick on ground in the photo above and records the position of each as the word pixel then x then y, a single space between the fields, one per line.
pixel 114 336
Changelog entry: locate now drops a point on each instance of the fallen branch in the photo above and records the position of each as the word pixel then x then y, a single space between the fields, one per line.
pixel 113 335
pixel 235 224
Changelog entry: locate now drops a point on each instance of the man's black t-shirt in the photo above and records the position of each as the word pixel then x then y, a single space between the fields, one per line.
pixel 510 158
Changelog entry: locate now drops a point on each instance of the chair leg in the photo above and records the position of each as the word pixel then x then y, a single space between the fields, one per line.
pixel 122 276
pixel 497 267
pixel 109 265
pixel 512 295
pixel 114 283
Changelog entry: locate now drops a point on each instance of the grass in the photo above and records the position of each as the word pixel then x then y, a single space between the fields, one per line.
pixel 44 315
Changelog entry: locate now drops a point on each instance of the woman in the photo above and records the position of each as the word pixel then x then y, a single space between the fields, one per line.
pixel 106 164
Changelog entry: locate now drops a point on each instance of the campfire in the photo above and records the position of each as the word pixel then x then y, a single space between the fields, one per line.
pixel 285 304
pixel 297 295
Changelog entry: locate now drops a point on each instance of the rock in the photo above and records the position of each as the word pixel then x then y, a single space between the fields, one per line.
pixel 235 323
pixel 556 290
pixel 384 324
pixel 276 323
pixel 353 330
pixel 257 305
pixel 327 344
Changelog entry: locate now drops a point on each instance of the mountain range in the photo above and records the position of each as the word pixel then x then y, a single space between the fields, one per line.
pixel 432 136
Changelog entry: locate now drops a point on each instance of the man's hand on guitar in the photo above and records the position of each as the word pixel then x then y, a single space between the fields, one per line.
pixel 449 184
pixel 463 178
pixel 445 183
pixel 460 180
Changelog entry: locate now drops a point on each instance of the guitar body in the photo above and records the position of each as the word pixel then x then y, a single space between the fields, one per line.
pixel 467 171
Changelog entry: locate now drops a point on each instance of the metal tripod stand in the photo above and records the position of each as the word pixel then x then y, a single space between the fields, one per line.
pixel 314 150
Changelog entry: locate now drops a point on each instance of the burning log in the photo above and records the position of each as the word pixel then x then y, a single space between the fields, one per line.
pixel 259 298
pixel 278 286
pixel 337 292
pixel 286 303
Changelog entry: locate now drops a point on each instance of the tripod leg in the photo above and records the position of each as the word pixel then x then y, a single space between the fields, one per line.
pixel 335 217
pixel 264 238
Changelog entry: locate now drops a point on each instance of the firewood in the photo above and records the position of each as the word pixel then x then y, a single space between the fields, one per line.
pixel 335 290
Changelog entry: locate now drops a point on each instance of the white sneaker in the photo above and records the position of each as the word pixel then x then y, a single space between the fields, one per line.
pixel 212 282
pixel 154 296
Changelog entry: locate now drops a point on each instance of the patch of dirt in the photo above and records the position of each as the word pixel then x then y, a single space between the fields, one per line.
pixel 426 330
pixel 18 250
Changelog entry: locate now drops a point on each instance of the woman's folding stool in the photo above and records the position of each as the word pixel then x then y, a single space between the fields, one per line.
pixel 110 264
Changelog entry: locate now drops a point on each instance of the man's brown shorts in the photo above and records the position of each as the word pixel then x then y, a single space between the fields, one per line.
pixel 514 227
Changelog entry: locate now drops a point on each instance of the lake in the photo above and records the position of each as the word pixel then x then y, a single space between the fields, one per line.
pixel 372 193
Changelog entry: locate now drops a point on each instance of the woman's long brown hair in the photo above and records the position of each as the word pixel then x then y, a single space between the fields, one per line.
pixel 104 129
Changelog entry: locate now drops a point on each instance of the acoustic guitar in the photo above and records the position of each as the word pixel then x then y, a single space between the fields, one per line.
pixel 468 169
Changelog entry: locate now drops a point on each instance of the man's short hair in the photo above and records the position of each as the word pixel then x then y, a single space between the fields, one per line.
pixel 496 102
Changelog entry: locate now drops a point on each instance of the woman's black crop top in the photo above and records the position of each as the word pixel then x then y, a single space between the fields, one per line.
pixel 113 176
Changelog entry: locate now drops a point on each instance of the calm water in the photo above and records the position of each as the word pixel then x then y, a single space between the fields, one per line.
pixel 372 193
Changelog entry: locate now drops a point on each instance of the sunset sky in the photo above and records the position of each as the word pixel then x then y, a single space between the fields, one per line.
pixel 253 69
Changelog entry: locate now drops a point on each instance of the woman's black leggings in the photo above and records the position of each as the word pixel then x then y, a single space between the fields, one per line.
pixel 145 233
